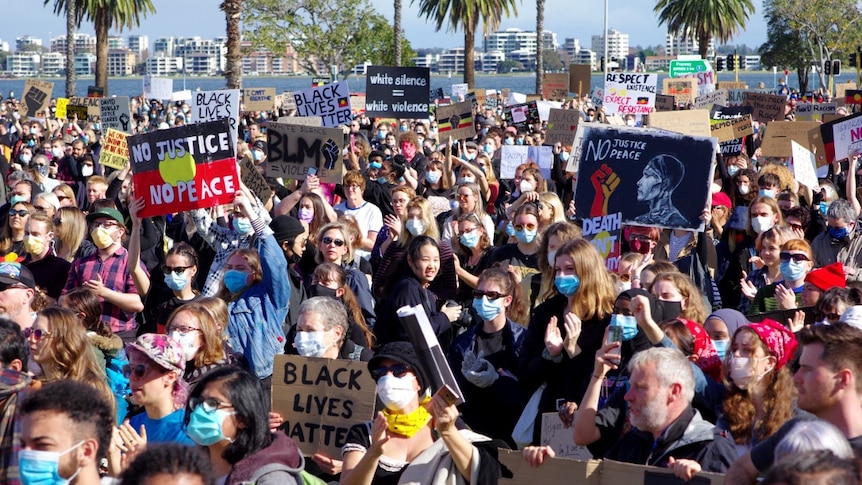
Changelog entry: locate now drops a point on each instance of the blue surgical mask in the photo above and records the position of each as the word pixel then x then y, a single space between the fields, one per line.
pixel 24 158
pixel 43 467
pixel 310 344
pixel 488 148
pixel 488 309
pixel 176 283
pixel 766 193
pixel 470 239
pixel 567 284
pixel 721 347
pixel 205 427
pixel 510 229
pixel 519 141
pixel 792 271
pixel 837 233
pixel 469 156
pixel 508 141
pixel 628 323
pixel 564 156
pixel 382 180
pixel 526 236
pixel 732 170
pixel 432 177
pixel 242 225
pixel 256 155
pixel 823 207
pixel 381 135
pixel 235 280
pixel 18 199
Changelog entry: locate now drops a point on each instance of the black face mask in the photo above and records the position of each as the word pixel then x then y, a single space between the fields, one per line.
pixel 669 309
pixel 318 290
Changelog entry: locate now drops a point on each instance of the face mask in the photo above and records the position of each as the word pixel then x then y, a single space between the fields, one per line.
pixel 43 170
pixel 742 371
pixel 33 245
pixel 552 256
pixel 792 271
pixel 306 214
pixel 510 229
pixel 188 343
pixel 836 233
pixel 564 156
pixel 640 247
pixel 256 155
pixel 761 224
pixel 102 238
pixel 466 180
pixel 470 239
pixel 382 180
pixel 823 207
pixel 24 158
pixel 241 225
pixel 721 347
pixel 519 141
pixel 57 152
pixel 33 131
pixel 396 392
pixel 766 193
pixel 409 151
pixel 628 323
pixel 669 309
pixel 320 290
pixel 743 189
pixel 235 280
pixel 567 284
pixel 525 186
pixel 630 122
pixel 205 428
pixel 415 227
pixel 508 141
pixel 526 236
pixel 732 170
pixel 432 177
pixel 85 139
pixel 310 344
pixel 487 309
pixel 18 198
pixel 488 148
pixel 381 135
pixel 623 286
pixel 469 156
pixel 43 467
pixel 589 118
pixel 176 283
pixel 31 143
pixel 87 170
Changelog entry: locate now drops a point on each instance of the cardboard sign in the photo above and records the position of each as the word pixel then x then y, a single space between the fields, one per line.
pixel 665 102
pixel 60 112
pixel 629 93
pixel 301 120
pixel 397 92
pixel 767 107
pixel 804 165
pixel 331 102
pixel 740 85
pixel 115 150
pixel 258 99
pixel 217 105
pixel 480 96
pixel 115 113
pixel 293 149
pixel 459 91
pixel 253 179
pixel 580 77
pixel 158 87
pixel 670 174
pixel 184 168
pixel 92 105
pixel 726 130
pixel 683 89
pixel 842 88
pixel 77 110
pixel 36 98
pixel 693 122
pixel 814 111
pixel 716 97
pixel 455 120
pixel 597 96
pixel 614 472
pixel 320 399
pixel 562 125
pixel 555 86
pixel 778 135
pixel 558 437
pixel 575 155
pixel 828 132
pixel 521 115
pixel 604 232
pixel 847 136
pixel 357 103
pixel 513 155
pixel 553 471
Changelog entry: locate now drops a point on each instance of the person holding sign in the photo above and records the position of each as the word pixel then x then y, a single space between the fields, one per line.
pixel 413 440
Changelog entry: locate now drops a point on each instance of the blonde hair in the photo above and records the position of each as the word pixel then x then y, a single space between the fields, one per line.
pixel 212 349
pixel 70 233
pixel 338 226
pixel 695 309
pixel 427 217
pixel 596 293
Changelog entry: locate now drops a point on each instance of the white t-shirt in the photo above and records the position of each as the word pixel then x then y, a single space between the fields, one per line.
pixel 369 218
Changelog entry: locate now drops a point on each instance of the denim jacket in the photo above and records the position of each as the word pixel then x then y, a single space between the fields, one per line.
pixel 255 322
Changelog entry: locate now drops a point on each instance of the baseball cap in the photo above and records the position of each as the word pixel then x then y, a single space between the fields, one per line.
pixel 13 273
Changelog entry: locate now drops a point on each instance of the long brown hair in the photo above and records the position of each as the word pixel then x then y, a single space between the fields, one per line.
pixel 517 311
pixel 695 309
pixel 89 310
pixel 331 272
pixel 212 350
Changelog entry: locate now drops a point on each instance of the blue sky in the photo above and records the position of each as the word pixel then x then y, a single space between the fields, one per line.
pixel 568 18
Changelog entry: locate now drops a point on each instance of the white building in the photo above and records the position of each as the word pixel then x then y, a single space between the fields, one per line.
pixel 53 63
pixel 140 45
pixel 202 56
pixel 4 46
pixel 451 61
pixel 85 64
pixel 577 54
pixel 164 46
pixel 116 42
pixel 121 62
pixel 23 64
pixel 618 44
pixel 27 40
pixel 164 66
pixel 750 63
pixel 83 43
pixel 676 44
pixel 428 60
pixel 517 40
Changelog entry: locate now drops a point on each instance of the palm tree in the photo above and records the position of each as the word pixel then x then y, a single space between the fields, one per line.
pixel 466 14
pixel 703 20
pixel 233 72
pixel 540 44
pixel 396 28
pixel 70 10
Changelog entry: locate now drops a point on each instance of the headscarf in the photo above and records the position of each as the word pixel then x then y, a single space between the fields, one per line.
pixel 732 318
pixel 778 339
pixel 707 356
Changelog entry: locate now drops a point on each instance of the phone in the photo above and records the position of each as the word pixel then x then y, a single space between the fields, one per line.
pixel 615 334
pixel 311 171
pixel 448 395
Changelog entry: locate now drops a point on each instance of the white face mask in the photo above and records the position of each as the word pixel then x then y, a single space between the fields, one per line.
pixel 525 186
pixel 761 224
pixel 396 393
pixel 188 342
pixel 87 170
pixel 742 371
pixel 415 226
pixel 552 255
pixel 310 344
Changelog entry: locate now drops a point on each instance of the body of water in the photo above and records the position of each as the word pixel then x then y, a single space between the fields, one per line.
pixel 520 83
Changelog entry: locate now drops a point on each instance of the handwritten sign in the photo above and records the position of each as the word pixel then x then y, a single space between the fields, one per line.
pixel 115 113
pixel 293 149
pixel 562 125
pixel 726 130
pixel 555 86
pixel 115 150
pixel 848 137
pixel 513 155
pixel 767 107
pixel 604 233
pixel 60 112
pixel 253 179
pixel 629 93
pixel 814 111
pixel 558 437
pixel 217 105
pixel 683 89
pixel 459 91
pixel 258 99
pixel 716 97
pixel 158 87
pixel 664 102
pixel 331 102
pixel 804 165
pixel 580 77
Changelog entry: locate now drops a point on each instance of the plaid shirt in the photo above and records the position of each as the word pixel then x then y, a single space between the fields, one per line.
pixel 13 386
pixel 115 276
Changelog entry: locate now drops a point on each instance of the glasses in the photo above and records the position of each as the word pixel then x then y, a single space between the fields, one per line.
pixel 40 208
pixel 210 404
pixel 19 212
pixel 640 237
pixel 492 295
pixel 37 333
pixel 177 270
pixel 351 187
pixel 832 317
pixel 397 370
pixel 399 201
pixel 328 240
pixel 182 329
pixel 796 227
pixel 139 370
pixel 796 257
pixel 464 196
pixel 521 227
pixel 468 230
pixel 62 197
pixel 106 224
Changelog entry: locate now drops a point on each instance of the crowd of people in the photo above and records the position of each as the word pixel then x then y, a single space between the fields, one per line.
pixel 734 349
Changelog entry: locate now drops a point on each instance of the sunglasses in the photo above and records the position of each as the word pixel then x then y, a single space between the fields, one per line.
pixel 139 370
pixel 796 227
pixel 397 370
pixel 37 333
pixel 177 270
pixel 40 208
pixel 625 277
pixel 529 227
pixel 797 258
pixel 338 242
pixel 832 317
pixel 19 213
pixel 492 295
pixel 210 404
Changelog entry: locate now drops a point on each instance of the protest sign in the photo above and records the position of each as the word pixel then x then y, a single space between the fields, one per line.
pixel 320 399
pixel 513 155
pixel 115 150
pixel 827 132
pixel 853 96
pixel 727 130
pixel 604 232
pixel 331 102
pixel 36 98
pixel 683 89
pixel 301 120
pixel 732 147
pixel 556 435
pixel 665 102
pixel 114 113
pixel 60 112
pixel 459 91
pixel 555 86
pixel 217 105
pixel 92 105
pixel 320 81
pixel 544 108
pixel 455 120
pixel 695 68
pixel 258 99
pixel 597 96
pixel 158 87
pixel 778 135
pixel 184 168
pixel 707 100
pixel 842 88
pixel 669 173
pixel 804 165
pixel 629 93
pixel 847 136
pixel 397 92
pixel 767 107
pixel 615 473
pixel 183 95
pixel 533 97
pixel 479 95
pixel 357 103
pixel 729 112
pixel 294 148
pixel 734 97
pixel 575 155
pixel 562 124
pixel 688 122
pixel 95 92
pixel 580 77
pixel 287 101
pixel 253 179
pixel 814 111
pixel 76 110
pixel 740 85
pixel 553 470
pixel 521 115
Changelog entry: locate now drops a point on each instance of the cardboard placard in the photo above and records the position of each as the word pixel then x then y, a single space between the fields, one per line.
pixel 521 115
pixel 605 233
pixel 841 89
pixel 397 92
pixel 36 97
pixel 92 105
pixel 555 86
pixel 664 102
pixel 253 179
pixel 580 77
pixel 778 134
pixel 597 96
pixel 726 130
pixel 513 155
pixel 615 472
pixel 258 99
pixel 217 105
pixel 183 95
pixel 331 102
pixel 60 112
pixel 158 87
pixel 459 91
pixel 73 110
pixel 683 89
pixel 562 125
pixel 814 111
pixel 544 108
pixel 357 103
pixel 455 120
pixel 693 122
pixel 741 85
pixel 320 399
pixel 287 101
pixel 479 95
pixel 188 167
pixel 293 149
pixel 557 436
pixel 553 470
pixel 575 155
pixel 114 113
pixel 629 93
pixel 115 150
pixel 767 107
pixel 718 97
pixel 301 120
pixel 804 165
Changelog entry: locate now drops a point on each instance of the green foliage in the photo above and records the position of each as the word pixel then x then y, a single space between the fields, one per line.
pixel 553 61
pixel 704 19
pixel 784 47
pixel 506 67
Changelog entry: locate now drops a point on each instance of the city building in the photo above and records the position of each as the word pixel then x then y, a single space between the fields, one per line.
pixel 83 43
pixel 202 56
pixel 23 64
pixel 524 43
pixel 676 44
pixel 22 43
pixel 121 62
pixel 163 66
pixel 53 64
pixel 618 44
pixel 658 63
pixel 750 63
pixel 116 42
pixel 164 46
pixel 575 54
pixel 4 46
pixel 85 64
pixel 428 60
pixel 140 45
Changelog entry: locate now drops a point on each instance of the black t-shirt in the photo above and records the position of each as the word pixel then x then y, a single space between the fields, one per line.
pixel 763 454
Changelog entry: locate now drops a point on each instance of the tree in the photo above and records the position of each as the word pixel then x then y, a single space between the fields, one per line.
pixel 506 67
pixel 784 47
pixel 233 72
pixel 396 32
pixel 540 45
pixel 70 11
pixel 466 14
pixel 703 20
pixel 552 60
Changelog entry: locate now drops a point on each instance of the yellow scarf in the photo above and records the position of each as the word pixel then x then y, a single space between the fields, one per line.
pixel 408 424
